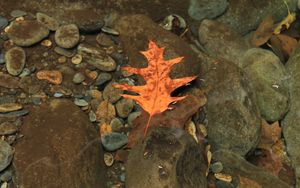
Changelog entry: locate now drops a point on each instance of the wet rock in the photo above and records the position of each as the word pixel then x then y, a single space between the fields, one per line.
pixel 52 155
pixel 67 36
pixel 9 107
pixel 87 20
pixel 110 31
pixel 124 107
pixel 51 23
pixel 18 13
pixel 53 77
pixel 291 122
pixel 15 60
pixel 7 128
pixel 81 102
pixel 269 79
pixel 243 15
pixel 78 78
pixel 96 57
pixel 30 85
pixel 237 166
pixel 136 37
pixel 222 42
pixel 27 32
pixel 2 58
pixel 6 154
pixel 103 78
pixel 6 175
pixel 208 9
pixel 8 81
pixel 167 158
pixel 237 126
pixel 105 111
pixel 3 22
pixel 111 93
pixel 14 114
pixel 116 124
pixel 104 40
pixel 114 141
pixel 64 52
pixel 132 116
pixel 216 167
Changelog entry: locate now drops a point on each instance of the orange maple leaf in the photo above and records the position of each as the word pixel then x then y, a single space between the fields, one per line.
pixel 155 96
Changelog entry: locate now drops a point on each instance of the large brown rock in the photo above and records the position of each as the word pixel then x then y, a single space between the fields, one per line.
pixel 60 148
pixel 169 157
pixel 135 38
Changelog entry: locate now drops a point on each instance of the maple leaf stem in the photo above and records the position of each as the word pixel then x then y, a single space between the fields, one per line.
pixel 147 126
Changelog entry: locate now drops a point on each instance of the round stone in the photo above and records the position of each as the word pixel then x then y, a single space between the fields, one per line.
pixel 15 60
pixel 27 32
pixel 132 116
pixel 51 23
pixel 114 141
pixel 116 124
pixel 67 36
pixel 78 78
pixel 124 107
pixel 216 167
pixel 104 40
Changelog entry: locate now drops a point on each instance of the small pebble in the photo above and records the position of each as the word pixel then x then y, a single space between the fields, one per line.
pixel 9 107
pixel 51 23
pixel 64 52
pixel 81 102
pixel 62 59
pixel 77 59
pixel 53 77
pixel 7 128
pixel 57 94
pixel 46 43
pixel 25 72
pixel 103 78
pixel 122 177
pixel 14 113
pixel 6 175
pixel 124 107
pixel 18 13
pixel 114 141
pixel 109 31
pixel 132 116
pixel 78 78
pixel 92 116
pixel 3 22
pixel 2 59
pixel 67 36
pixel 108 159
pixel 15 59
pixel 216 167
pixel 116 124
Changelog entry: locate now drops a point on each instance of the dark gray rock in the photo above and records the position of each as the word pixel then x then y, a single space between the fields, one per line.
pixel 15 59
pixel 3 22
pixel 103 78
pixel 236 166
pixel 27 32
pixel 237 126
pixel 244 15
pixel 114 141
pixel 270 82
pixel 167 158
pixel 6 154
pixel 201 9
pixel 291 122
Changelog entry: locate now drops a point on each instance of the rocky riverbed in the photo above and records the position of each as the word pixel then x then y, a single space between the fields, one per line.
pixel 63 124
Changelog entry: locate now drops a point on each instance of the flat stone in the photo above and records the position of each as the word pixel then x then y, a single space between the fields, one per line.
pixel 27 32
pixel 64 52
pixel 78 78
pixel 69 164
pixel 96 57
pixel 18 13
pixel 50 22
pixel 14 114
pixel 67 36
pixel 104 40
pixel 9 107
pixel 81 102
pixel 114 141
pixel 7 128
pixel 103 78
pixel 15 59
pixel 6 154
